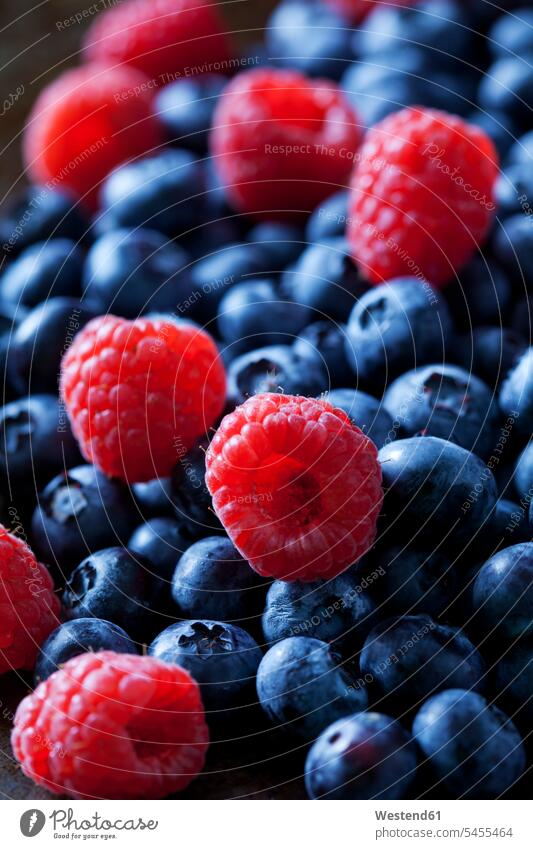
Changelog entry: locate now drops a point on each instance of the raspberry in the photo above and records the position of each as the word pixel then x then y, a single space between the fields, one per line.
pixel 356 10
pixel 283 142
pixel 296 486
pixel 85 123
pixel 28 606
pixel 140 393
pixel 162 38
pixel 422 196
pixel 112 726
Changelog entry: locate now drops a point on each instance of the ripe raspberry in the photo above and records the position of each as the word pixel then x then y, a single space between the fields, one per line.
pixel 85 123
pixel 28 606
pixel 296 485
pixel 163 38
pixel 112 726
pixel 356 10
pixel 422 196
pixel 283 142
pixel 139 394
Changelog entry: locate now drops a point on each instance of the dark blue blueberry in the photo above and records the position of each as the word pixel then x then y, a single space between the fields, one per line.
pixel 521 319
pixel 326 279
pixel 435 489
pixel 302 687
pixel 81 511
pixel 416 580
pixel 253 314
pixel 160 541
pixel 115 585
pixel 41 271
pixel 521 153
pixel 212 235
pixel 490 352
pixel 39 342
pixel 76 637
pixel 365 412
pixel 481 295
pixel 508 87
pixel 509 524
pixel 191 499
pixel 394 327
pixel 411 657
pixel 325 341
pixel 276 368
pixel 516 396
pixel 502 596
pixel 38 214
pixel 498 126
pixel 365 756
pixel 153 498
pixel 162 192
pixel 471 746
pixel 284 242
pixel 512 34
pixel 339 611
pixel 212 579
pixel 222 658
pixel 185 109
pixel 513 247
pixel 445 401
pixel 513 683
pixel 130 273
pixel 329 219
pixel 514 191
pixel 523 473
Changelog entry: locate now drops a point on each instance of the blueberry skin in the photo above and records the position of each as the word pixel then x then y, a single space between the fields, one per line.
pixel 222 658
pixel 76 637
pixel 513 186
pixel 471 746
pixel 481 296
pixel 394 327
pixel 324 340
pixel 115 585
pixel 130 273
pixel 508 87
pixel 512 34
pixel 284 242
pixel 275 368
pixel 521 152
pixel 185 109
pixel 38 214
pixel 191 499
pixel 411 657
pixel 513 683
pixel 499 127
pixel 339 611
pixel 365 412
pixel 80 511
pixel 447 402
pixel 364 756
pixel 502 595
pixel 509 524
pixel 211 578
pixel 490 352
pixel 513 246
pixel 302 688
pixel 162 192
pixel 434 488
pixel 153 498
pixel 160 541
pixel 329 219
pixel 416 581
pixel 325 279
pixel 41 271
pixel 523 473
pixel 516 396
pixel 253 313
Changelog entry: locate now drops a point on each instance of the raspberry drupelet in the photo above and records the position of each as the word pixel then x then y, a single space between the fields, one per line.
pixel 112 726
pixel 296 486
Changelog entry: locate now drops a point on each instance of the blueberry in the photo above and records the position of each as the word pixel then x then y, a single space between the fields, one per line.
pixel 115 585
pixel 210 236
pixel 502 596
pixel 411 657
pixel 513 683
pixel 273 369
pixel 163 192
pixel 153 498
pixel 365 756
pixel 416 580
pixel 339 611
pixel 39 342
pixel 253 313
pixel 223 659
pixel 512 34
pixel 39 213
pixel 509 524
pixel 523 473
pixel 481 295
pixel 329 219
pixel 325 341
pixel 185 109
pixel 80 511
pixel 499 127
pixel 190 497
pixel 161 541
pixel 513 188
pixel 521 153
pixel 490 352
pixel 470 745
pixel 284 242
pixel 521 316
pixel 326 279
pixel 394 327
pixel 76 637
pixel 508 87
pixel 130 273
pixel 41 271
pixel 303 688
pixel 513 247
pixel 516 396
pixel 366 413
pixel 435 489
pixel 447 402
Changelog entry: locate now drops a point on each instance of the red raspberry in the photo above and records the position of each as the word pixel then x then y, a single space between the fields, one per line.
pixel 283 142
pixel 28 606
pixel 112 726
pixel 139 394
pixel 85 123
pixel 422 196
pixel 296 486
pixel 356 10
pixel 165 39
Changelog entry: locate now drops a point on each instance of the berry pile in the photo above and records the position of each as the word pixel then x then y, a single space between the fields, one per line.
pixel 266 459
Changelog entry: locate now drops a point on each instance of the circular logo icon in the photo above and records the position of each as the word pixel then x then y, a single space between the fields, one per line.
pixel 32 822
